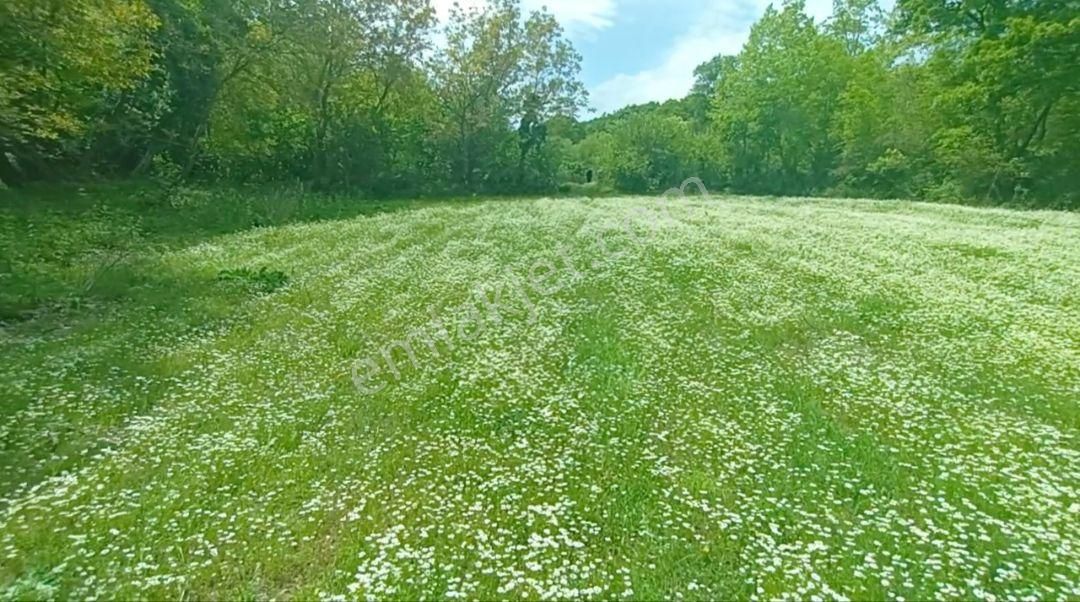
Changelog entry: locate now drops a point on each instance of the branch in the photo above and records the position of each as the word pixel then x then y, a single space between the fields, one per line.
pixel 1040 123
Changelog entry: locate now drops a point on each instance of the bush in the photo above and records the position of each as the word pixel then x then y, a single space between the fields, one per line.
pixel 592 189
pixel 263 280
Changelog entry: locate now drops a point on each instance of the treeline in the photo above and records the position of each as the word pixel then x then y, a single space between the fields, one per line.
pixel 958 100
pixel 368 95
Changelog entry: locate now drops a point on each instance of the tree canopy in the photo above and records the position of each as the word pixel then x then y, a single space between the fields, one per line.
pixel 969 100
pixel 972 100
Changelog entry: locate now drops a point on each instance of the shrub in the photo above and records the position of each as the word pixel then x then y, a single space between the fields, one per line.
pixel 263 280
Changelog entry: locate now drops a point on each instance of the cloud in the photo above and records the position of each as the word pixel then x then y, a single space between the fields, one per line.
pixel 723 27
pixel 576 16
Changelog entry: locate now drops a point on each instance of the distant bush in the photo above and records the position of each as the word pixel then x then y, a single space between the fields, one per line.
pixel 263 280
pixel 592 189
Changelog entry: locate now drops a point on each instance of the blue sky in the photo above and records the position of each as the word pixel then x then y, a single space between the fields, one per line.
pixel 639 50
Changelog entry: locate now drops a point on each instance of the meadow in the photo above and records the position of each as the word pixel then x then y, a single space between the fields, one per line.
pixel 272 395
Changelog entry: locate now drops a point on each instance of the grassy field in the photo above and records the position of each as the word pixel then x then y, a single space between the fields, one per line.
pixel 748 398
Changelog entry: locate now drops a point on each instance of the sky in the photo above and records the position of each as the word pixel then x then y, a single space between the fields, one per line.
pixel 636 51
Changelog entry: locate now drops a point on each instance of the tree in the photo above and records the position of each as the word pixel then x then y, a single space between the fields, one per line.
pixel 355 52
pixel 204 47
pixel 1002 69
pixel 549 88
pixel 62 64
pixel 859 24
pixel 474 76
pixel 495 70
pixel 775 109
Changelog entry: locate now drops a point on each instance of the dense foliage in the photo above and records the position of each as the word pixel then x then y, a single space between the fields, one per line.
pixel 350 94
pixel 937 99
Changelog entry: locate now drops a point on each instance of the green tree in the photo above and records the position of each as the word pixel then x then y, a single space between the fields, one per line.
pixel 496 70
pixel 204 47
pixel 775 108
pixel 549 89
pixel 63 65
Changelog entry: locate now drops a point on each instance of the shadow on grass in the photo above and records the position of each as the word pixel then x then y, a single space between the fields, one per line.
pixel 89 299
pixel 62 248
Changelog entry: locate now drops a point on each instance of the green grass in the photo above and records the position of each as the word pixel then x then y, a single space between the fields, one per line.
pixel 756 399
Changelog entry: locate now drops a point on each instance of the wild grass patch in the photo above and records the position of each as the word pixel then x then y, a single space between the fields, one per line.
pixel 832 399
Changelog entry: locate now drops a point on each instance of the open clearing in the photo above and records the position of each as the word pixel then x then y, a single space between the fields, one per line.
pixel 758 398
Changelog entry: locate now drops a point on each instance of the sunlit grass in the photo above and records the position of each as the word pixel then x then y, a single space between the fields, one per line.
pixel 758 399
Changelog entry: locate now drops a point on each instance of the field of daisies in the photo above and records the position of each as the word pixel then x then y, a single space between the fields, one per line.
pixel 698 399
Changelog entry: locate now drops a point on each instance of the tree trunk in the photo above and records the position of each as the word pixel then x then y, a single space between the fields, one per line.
pixel 193 149
pixel 143 166
pixel 1040 124
pixel 10 168
pixel 466 155
pixel 522 155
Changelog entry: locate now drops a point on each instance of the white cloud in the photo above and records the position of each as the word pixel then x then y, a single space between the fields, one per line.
pixel 722 28
pixel 576 16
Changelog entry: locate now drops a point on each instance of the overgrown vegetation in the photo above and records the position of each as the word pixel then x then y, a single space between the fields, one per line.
pixel 938 100
pixel 66 252
pixel 972 100
pixel 262 280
